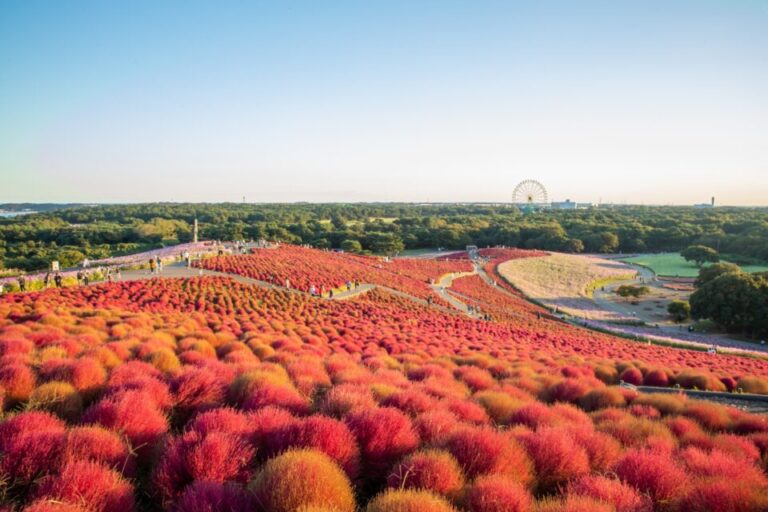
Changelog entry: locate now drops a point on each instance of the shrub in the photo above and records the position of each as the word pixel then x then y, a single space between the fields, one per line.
pixel 132 414
pixel 435 427
pixel 60 398
pixel 279 396
pixel 432 470
pixel 216 457
pixel 664 403
pixel 99 488
pixel 751 384
pixel 556 456
pixel 623 497
pixel 384 435
pixel 302 478
pixel 100 445
pixel 408 501
pixel 222 419
pixel 534 415
pixel 632 376
pixel 482 451
pixel 573 504
pixel 342 399
pixel 567 390
pixel 498 405
pixel 724 495
pixel 713 417
pixel 601 398
pixel 197 389
pixel 497 493
pixel 214 497
pixel 327 435
pixel 656 378
pixel 18 380
pixel 603 450
pixel 653 473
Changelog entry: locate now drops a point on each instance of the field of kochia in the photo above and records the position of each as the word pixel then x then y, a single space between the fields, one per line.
pixel 206 394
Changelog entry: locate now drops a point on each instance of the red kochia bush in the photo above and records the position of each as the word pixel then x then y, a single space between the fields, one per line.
pixel 278 396
pixel 654 473
pixel 222 419
pixel 45 505
pixel 724 495
pixel 132 414
pixel 214 497
pixel 85 482
pixel 557 457
pixel 217 457
pixel 384 435
pixel 327 435
pixel 432 470
pixel 482 451
pixel 623 497
pixel 100 445
pixel 197 389
pixel 497 493
pixel 435 427
pixel 302 478
pixel 632 376
pixel 31 444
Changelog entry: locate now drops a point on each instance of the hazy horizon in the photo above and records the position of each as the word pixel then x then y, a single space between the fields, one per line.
pixel 614 102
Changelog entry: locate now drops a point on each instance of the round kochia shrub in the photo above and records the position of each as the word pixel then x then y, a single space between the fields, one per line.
pixel 653 473
pixel 557 456
pixel 482 451
pixel 327 435
pixel 133 414
pixel 100 445
pixel 623 497
pixel 214 497
pixel 300 478
pixel 60 398
pixel 497 493
pixel 632 376
pixel 88 483
pixel 384 435
pixel 408 501
pixel 216 457
pixel 18 380
pixel 432 470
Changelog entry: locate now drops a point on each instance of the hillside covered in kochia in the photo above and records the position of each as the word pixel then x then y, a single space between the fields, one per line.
pixel 208 394
pixel 30 242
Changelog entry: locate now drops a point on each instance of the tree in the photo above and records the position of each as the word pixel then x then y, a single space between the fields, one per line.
pixel 679 309
pixel 700 254
pixel 573 245
pixel 604 242
pixel 707 274
pixel 351 245
pixel 736 301
pixel 384 243
pixel 628 290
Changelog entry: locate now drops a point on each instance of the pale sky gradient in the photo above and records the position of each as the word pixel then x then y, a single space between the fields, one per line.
pixel 383 100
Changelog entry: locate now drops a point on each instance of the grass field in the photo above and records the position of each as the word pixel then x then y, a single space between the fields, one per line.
pixel 672 264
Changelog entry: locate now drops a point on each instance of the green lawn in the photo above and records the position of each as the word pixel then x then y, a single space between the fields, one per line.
pixel 672 264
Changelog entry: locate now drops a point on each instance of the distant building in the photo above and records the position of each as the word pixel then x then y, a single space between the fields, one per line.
pixel 705 205
pixel 570 205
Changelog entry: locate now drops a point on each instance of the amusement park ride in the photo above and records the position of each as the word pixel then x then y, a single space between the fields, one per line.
pixel 530 195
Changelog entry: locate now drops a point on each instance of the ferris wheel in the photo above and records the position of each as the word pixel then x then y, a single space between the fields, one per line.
pixel 530 193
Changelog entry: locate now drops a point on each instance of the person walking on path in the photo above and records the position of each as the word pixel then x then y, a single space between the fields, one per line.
pixel 86 278
pixel 152 265
pixel 22 283
pixel 159 264
pixel 57 279
pixel 186 259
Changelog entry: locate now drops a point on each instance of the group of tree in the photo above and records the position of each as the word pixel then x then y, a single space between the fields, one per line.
pixel 32 241
pixel 629 290
pixel 735 300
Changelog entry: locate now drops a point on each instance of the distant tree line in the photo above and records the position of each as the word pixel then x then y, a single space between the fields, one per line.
pixel 68 234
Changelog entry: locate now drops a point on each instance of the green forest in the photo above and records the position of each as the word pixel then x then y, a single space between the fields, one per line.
pixel 71 232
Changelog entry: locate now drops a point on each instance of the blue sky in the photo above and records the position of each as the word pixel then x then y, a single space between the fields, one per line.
pixel 642 102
